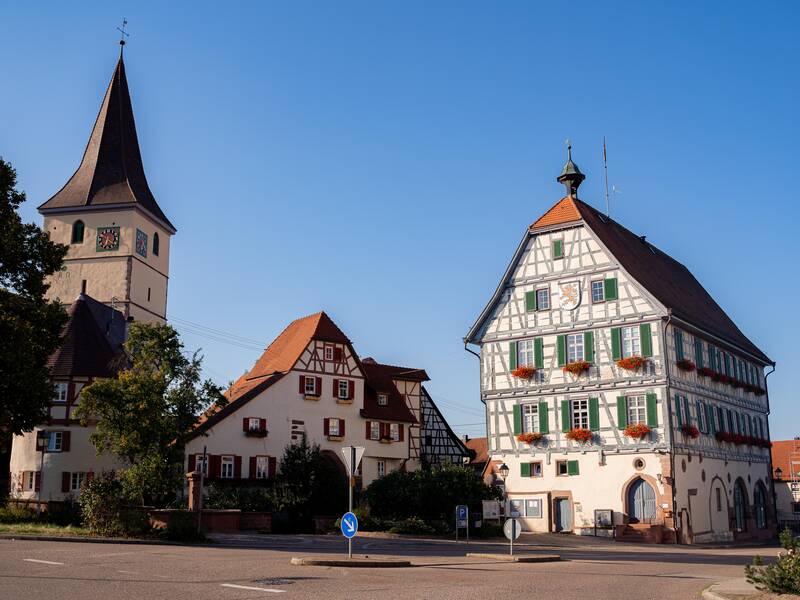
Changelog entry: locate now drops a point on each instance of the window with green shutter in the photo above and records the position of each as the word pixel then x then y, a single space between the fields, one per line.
pixel 652 410
pixel 678 411
pixel 566 421
pixel 622 412
pixel 616 343
pixel 561 343
pixel 525 469
pixel 530 301
pixel 698 353
pixel 687 411
pixel 678 344
pixel 712 426
pixel 573 468
pixel 594 414
pixel 517 419
pixel 512 355
pixel 646 339
pixel 538 353
pixel 558 248
pixel 712 363
pixel 610 288
pixel 588 346
pixel 544 421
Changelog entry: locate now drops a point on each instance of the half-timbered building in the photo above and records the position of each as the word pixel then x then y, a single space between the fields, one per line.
pixel 311 382
pixel 615 386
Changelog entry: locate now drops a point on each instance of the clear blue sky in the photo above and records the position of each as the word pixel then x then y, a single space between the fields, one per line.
pixel 382 160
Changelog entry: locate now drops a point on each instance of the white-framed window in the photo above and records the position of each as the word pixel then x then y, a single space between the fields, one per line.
pixel 575 347
pixel 201 464
pixel 562 468
pixel 394 432
pixel 262 467
pixel 76 481
pixel 381 468
pixel 344 389
pixel 543 299
pixel 226 471
pixel 536 469
pixel 55 441
pixel 383 399
pixel 530 418
pixel 525 356
pixel 29 481
pixel 311 386
pixel 60 392
pixel 328 352
pixel 598 291
pixel 254 424
pixel 375 430
pixel 631 344
pixel 533 507
pixel 333 427
pixel 580 414
pixel 637 410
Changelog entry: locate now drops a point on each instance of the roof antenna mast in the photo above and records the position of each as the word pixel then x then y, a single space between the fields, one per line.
pixel 605 169
pixel 123 34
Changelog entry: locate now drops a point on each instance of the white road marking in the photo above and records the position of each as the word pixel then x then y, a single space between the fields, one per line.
pixel 44 562
pixel 248 587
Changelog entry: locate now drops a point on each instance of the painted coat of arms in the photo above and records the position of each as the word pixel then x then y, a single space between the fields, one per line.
pixel 569 295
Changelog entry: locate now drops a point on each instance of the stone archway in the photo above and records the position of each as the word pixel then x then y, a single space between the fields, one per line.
pixel 760 506
pixel 718 507
pixel 640 502
pixel 660 498
pixel 740 506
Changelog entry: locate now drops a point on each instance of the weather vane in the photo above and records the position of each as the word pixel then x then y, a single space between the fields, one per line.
pixel 123 33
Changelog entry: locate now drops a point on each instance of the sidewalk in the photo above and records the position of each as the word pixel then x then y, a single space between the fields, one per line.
pixel 738 589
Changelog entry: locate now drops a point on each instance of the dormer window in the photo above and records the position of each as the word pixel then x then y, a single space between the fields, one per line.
pixel 383 399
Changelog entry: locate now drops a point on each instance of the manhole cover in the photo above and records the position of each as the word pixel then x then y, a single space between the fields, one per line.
pixel 274 581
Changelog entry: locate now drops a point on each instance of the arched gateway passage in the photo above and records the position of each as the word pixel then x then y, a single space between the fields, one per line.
pixel 641 502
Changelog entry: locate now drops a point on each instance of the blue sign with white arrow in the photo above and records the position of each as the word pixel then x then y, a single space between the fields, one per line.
pixel 349 525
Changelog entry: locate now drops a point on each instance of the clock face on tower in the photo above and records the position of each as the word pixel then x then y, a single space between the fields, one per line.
pixel 107 239
pixel 141 243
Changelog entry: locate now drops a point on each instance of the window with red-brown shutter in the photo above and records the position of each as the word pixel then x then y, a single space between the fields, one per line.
pixel 66 479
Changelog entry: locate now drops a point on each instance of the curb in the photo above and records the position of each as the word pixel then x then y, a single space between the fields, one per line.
pixel 349 562
pixel 86 540
pixel 518 558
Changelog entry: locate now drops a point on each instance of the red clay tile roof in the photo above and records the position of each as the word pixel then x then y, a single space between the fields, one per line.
pixel 379 379
pixel 563 211
pixel 91 341
pixel 480 447
pixel 785 452
pixel 111 171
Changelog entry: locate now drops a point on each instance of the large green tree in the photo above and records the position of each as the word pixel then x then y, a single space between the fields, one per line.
pixel 30 325
pixel 145 415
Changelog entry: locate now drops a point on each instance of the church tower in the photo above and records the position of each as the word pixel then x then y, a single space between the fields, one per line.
pixel 118 236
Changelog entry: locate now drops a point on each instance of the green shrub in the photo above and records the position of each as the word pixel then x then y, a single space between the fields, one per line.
pixel 783 576
pixel 245 498
pixel 13 513
pixel 182 527
pixel 107 511
pixel 412 526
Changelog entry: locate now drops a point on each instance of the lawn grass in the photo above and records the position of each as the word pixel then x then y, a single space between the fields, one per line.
pixel 43 529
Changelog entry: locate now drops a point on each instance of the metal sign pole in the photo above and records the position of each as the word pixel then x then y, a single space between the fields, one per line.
pixel 350 499
pixel 468 524
pixel 203 467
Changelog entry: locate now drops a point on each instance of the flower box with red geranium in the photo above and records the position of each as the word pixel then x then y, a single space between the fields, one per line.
pixel 759 391
pixel 580 435
pixel 524 372
pixel 723 436
pixel 638 431
pixel 690 431
pixel 530 437
pixel 685 364
pixel 577 367
pixel 706 372
pixel 632 363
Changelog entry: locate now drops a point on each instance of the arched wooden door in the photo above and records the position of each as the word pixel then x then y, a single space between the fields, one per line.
pixel 641 502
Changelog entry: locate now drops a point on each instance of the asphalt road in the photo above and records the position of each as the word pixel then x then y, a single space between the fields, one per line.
pixel 590 569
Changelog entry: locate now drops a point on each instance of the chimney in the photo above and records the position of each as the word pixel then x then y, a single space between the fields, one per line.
pixel 83 287
pixel 465 438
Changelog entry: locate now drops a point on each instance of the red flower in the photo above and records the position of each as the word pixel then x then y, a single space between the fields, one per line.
pixel 577 367
pixel 637 431
pixel 632 363
pixel 706 372
pixel 530 437
pixel 690 431
pixel 524 372
pixel 685 364
pixel 579 434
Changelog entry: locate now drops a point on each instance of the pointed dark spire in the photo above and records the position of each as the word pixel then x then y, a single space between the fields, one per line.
pixel 571 175
pixel 111 172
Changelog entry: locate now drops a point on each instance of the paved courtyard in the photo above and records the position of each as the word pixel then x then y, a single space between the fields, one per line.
pixel 260 568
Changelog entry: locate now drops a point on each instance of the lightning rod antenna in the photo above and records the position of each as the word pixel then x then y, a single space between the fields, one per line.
pixel 605 169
